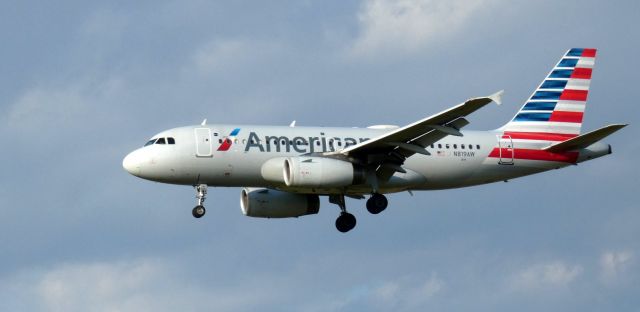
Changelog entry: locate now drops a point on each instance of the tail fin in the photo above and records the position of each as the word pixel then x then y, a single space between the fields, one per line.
pixel 554 111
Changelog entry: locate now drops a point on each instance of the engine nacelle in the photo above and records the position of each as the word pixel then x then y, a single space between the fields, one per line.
pixel 267 203
pixel 304 171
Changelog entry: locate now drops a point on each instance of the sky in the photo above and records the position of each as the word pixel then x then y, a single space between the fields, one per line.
pixel 83 83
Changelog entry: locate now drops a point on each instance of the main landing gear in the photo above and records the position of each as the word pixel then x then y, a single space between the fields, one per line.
pixel 377 203
pixel 201 194
pixel 346 221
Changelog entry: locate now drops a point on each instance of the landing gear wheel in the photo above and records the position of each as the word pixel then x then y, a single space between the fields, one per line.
pixel 345 222
pixel 198 211
pixel 201 194
pixel 377 203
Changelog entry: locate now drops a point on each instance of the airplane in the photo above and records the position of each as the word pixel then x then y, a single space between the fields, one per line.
pixel 284 170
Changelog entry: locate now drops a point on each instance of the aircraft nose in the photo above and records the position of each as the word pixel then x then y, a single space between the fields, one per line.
pixel 132 163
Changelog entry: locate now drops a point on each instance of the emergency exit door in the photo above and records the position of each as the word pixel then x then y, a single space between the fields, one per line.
pixel 506 150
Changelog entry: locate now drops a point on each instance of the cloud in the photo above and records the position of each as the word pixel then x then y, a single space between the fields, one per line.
pixel 142 284
pixel 62 105
pixel 220 54
pixel 613 264
pixel 406 293
pixel 407 26
pixel 553 274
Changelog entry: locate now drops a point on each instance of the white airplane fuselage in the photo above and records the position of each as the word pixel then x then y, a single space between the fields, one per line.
pixel 454 161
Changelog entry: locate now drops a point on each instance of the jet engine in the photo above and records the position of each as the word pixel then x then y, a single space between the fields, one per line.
pixel 321 172
pixel 268 203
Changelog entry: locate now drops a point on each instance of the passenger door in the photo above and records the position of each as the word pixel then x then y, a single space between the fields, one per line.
pixel 203 142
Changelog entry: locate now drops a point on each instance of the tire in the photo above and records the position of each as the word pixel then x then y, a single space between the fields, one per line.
pixel 198 211
pixel 345 222
pixel 377 203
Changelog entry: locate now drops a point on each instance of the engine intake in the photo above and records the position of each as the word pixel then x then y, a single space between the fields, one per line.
pixel 268 203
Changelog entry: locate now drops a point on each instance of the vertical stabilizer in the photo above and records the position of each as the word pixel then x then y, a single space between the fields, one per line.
pixel 555 110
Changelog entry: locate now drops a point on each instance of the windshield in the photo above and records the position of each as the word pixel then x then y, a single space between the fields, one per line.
pixel 150 142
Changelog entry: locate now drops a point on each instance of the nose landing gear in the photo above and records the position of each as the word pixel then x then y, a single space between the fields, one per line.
pixel 201 194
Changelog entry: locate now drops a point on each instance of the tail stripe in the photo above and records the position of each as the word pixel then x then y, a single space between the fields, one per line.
pixel 581 73
pixel 557 105
pixel 566 116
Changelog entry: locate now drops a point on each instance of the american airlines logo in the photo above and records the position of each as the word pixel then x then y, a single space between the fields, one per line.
pixel 228 141
pixel 298 144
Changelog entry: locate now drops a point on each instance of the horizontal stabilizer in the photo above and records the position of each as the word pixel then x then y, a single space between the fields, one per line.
pixel 584 140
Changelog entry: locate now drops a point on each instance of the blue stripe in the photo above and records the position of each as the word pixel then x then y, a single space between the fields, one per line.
pixel 561 73
pixel 553 84
pixel 575 52
pixel 234 132
pixel 546 95
pixel 568 63
pixel 532 117
pixel 540 106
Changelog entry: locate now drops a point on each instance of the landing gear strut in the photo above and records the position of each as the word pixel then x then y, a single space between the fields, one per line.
pixel 377 203
pixel 201 194
pixel 346 221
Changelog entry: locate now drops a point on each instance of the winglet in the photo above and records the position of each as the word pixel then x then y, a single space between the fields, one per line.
pixel 497 97
pixel 204 122
pixel 293 124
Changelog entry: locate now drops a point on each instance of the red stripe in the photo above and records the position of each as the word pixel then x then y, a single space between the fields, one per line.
pixel 581 73
pixel 225 145
pixel 589 53
pixel 566 116
pixel 531 154
pixel 540 136
pixel 574 95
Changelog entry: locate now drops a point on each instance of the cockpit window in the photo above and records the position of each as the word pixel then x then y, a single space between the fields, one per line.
pixel 171 141
pixel 160 141
pixel 150 142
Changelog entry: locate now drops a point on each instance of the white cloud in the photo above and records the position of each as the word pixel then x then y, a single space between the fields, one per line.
pixel 406 293
pixel 224 53
pixel 42 106
pixel 99 286
pixel 131 285
pixel 613 264
pixel 408 26
pixel 554 274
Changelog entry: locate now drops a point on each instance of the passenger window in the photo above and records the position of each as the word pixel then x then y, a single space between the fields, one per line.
pixel 150 142
pixel 455 146
pixel 439 145
pixel 462 146
pixel 220 141
pixel 160 141
pixel 470 146
pixel 171 140
pixel 478 146
pixel 431 145
pixel 447 146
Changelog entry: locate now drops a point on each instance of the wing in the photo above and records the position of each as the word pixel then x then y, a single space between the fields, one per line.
pixel 389 151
